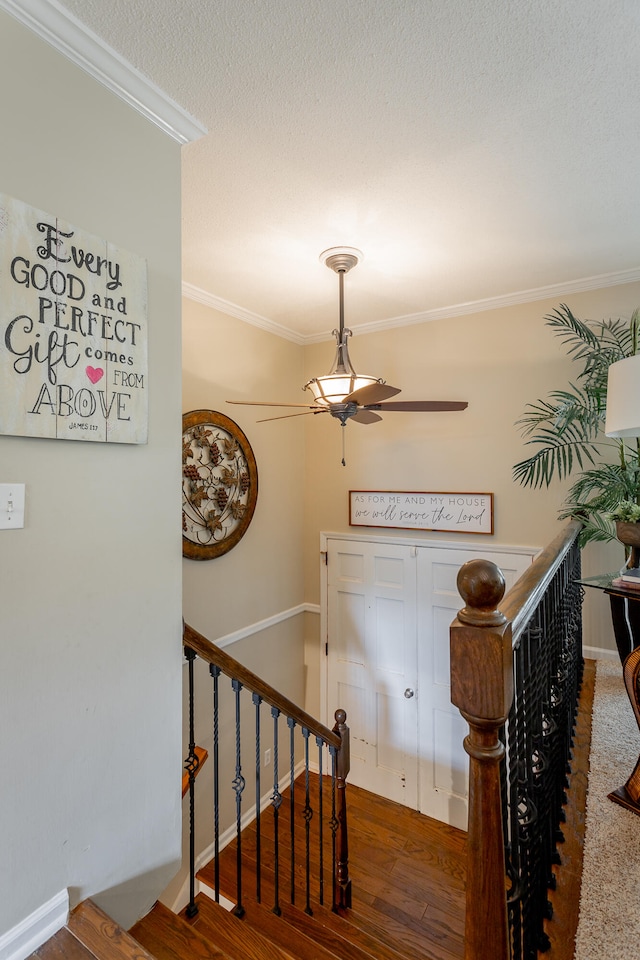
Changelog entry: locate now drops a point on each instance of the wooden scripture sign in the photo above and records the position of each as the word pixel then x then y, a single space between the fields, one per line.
pixel 73 332
pixel 450 512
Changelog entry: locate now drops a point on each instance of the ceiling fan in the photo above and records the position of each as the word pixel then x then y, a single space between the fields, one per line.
pixel 342 392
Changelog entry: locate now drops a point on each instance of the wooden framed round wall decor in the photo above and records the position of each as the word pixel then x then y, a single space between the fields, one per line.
pixel 219 484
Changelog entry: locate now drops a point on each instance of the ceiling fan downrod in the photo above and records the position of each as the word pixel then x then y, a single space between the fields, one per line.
pixel 341 260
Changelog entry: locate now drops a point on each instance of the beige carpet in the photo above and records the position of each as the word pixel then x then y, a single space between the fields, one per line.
pixel 609 925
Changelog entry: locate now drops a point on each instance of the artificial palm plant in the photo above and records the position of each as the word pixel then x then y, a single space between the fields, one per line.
pixel 568 428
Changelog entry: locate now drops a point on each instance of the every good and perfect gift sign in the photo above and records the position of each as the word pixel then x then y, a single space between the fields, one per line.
pixel 73 332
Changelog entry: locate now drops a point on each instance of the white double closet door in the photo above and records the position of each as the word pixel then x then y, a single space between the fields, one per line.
pixel 389 606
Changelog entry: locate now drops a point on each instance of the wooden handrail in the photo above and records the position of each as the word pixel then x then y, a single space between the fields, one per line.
pixel 482 687
pixel 233 668
pixel 526 593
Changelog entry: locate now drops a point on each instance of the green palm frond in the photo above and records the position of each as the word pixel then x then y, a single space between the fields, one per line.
pixel 589 340
pixel 595 528
pixel 566 426
pixel 558 456
pixel 605 486
pixel 563 412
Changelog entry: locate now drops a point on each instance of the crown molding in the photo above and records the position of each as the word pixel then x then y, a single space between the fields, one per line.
pixel 581 285
pixel 233 310
pixel 59 28
pixel 441 313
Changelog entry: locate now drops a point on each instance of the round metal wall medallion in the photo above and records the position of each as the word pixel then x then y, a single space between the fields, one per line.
pixel 219 484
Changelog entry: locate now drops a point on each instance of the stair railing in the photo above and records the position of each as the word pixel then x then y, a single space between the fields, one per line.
pixel 334 742
pixel 516 667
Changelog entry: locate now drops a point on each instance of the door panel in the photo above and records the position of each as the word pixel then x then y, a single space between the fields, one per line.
pixel 443 760
pixel 372 661
pixel 389 610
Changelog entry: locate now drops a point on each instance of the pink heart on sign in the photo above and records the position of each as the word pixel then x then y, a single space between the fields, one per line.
pixel 95 373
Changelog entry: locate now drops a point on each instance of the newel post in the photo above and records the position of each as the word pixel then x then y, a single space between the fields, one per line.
pixel 482 689
pixel 342 896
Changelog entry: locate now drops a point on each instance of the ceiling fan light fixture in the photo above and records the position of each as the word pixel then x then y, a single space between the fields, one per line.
pixel 334 387
pixel 342 380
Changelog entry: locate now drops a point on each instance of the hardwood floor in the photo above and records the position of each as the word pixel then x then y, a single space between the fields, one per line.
pixel 408 871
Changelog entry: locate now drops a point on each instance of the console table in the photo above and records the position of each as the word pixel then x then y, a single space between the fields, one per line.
pixel 625 611
pixel 625 614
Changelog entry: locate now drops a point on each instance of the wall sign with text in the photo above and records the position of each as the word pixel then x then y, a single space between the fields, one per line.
pixel 73 331
pixel 450 512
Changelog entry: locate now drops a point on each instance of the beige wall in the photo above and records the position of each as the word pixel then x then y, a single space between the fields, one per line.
pixel 498 360
pixel 226 359
pixel 90 605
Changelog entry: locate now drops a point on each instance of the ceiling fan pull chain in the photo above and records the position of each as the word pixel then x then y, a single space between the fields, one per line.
pixel 344 462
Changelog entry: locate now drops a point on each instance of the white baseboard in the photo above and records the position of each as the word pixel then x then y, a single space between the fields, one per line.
pixel 35 929
pixel 599 653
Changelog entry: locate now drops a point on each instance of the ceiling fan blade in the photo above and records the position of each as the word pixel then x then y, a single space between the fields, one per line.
pixel 372 393
pixel 419 405
pixel 286 416
pixel 274 403
pixel 365 416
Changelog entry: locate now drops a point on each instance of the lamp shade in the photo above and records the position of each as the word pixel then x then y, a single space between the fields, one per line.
pixel 623 398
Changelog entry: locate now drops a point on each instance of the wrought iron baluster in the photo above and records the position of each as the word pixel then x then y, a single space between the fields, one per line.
pixel 257 700
pixel 334 824
pixel 308 815
pixel 215 674
pixel 191 764
pixel 276 800
pixel 320 746
pixel 238 786
pixel 292 819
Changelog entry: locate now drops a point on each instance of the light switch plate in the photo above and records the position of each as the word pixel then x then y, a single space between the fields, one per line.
pixel 11 506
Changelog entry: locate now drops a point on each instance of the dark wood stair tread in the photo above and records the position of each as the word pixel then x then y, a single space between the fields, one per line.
pixel 335 932
pixel 168 937
pixel 91 935
pixel 239 939
pixel 106 939
pixel 407 871
pixel 62 946
pixel 263 919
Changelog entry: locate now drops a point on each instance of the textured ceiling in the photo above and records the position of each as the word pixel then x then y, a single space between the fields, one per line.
pixel 470 148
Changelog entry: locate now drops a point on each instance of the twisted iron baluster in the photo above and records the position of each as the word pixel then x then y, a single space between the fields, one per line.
pixel 308 814
pixel 292 773
pixel 257 700
pixel 215 674
pixel 320 746
pixel 238 785
pixel 276 800
pixel 334 824
pixel 191 764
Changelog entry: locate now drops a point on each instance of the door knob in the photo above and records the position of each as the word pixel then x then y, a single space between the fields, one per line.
pixel 408 693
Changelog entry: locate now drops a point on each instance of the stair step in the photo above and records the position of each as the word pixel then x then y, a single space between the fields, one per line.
pixel 105 938
pixel 168 937
pixel 375 923
pixel 302 945
pixel 408 874
pixel 90 933
pixel 402 935
pixel 62 946
pixel 239 939
pixel 334 931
